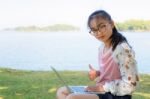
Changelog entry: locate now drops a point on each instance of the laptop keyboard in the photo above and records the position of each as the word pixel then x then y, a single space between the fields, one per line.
pixel 78 88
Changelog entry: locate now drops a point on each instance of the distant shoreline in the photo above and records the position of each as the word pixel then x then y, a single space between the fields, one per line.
pixel 41 31
pixel 50 28
pixel 5 68
pixel 132 25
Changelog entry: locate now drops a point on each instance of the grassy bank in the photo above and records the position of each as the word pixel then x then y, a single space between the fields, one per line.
pixel 15 84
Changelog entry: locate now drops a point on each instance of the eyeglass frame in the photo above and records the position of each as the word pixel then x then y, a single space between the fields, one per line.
pixel 100 28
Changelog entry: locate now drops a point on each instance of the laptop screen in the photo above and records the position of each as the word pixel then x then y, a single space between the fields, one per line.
pixel 60 78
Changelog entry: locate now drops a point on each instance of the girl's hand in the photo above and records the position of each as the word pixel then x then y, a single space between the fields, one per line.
pixel 97 88
pixel 92 73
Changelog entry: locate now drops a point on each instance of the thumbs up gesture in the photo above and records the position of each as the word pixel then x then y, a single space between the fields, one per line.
pixel 92 73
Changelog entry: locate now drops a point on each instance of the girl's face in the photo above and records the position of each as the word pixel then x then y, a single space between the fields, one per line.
pixel 101 29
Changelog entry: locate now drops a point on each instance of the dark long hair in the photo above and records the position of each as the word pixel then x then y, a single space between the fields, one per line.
pixel 116 37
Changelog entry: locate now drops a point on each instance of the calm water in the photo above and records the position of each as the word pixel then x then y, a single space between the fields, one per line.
pixel 64 51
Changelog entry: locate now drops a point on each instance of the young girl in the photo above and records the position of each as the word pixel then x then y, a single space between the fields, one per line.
pixel 118 75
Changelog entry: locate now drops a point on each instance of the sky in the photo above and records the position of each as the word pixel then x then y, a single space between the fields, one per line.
pixel 15 13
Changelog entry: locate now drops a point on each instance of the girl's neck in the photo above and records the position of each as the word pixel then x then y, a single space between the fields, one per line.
pixel 107 44
pixel 107 47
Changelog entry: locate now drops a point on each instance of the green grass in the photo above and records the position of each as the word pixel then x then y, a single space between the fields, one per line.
pixel 16 84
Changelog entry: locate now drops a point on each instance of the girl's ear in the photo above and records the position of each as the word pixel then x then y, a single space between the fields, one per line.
pixel 112 24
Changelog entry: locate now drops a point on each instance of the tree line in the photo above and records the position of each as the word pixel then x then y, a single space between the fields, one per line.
pixel 55 27
pixel 129 25
pixel 134 25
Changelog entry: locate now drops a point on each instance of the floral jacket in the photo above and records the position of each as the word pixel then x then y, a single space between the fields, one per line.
pixel 125 58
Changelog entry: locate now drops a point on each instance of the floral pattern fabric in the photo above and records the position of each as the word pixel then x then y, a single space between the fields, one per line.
pixel 125 58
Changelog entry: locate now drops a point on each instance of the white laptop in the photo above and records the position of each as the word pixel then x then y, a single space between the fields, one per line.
pixel 73 89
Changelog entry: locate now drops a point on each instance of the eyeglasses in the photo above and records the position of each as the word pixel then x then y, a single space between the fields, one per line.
pixel 100 28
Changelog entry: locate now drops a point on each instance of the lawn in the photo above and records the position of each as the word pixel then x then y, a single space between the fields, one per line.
pixel 17 84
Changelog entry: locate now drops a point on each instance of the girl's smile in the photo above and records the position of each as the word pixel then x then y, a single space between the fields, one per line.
pixel 100 37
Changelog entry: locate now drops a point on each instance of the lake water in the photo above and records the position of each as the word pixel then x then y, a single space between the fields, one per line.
pixel 63 50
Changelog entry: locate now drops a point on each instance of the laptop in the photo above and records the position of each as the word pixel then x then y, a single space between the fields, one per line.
pixel 73 89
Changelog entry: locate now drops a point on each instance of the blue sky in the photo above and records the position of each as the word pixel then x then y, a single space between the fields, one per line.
pixel 47 12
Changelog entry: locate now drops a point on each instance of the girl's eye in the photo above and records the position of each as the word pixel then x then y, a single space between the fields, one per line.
pixel 102 26
pixel 94 30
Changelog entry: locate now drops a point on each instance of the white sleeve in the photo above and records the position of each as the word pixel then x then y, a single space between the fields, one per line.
pixel 124 56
